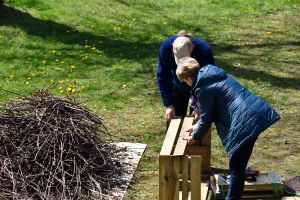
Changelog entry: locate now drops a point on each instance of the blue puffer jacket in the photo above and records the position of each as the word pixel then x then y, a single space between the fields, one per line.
pixel 238 114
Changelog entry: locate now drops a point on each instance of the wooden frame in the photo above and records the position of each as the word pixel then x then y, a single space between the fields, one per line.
pixel 181 166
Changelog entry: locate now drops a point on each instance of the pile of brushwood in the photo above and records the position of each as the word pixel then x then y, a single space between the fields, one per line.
pixel 52 148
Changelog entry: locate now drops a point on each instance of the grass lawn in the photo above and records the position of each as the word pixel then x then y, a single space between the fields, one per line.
pixel 104 52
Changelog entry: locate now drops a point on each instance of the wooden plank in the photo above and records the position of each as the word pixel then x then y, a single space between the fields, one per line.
pixel 196 177
pixel 197 150
pixel 185 176
pixel 206 140
pixel 180 196
pixel 204 190
pixel 204 151
pixel 169 177
pixel 169 141
pixel 181 143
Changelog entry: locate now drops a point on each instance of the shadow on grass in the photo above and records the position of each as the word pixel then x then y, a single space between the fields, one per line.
pixel 254 74
pixel 282 82
pixel 50 30
pixel 132 50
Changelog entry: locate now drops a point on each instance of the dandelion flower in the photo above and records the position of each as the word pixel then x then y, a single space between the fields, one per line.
pixel 269 33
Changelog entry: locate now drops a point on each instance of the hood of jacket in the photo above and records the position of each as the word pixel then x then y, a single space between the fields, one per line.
pixel 208 74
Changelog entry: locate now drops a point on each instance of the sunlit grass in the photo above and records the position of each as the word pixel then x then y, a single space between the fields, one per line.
pixel 105 54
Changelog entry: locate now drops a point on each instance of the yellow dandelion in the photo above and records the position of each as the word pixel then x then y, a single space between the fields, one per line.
pixel 69 89
pixel 61 81
pixel 61 91
pixel 93 48
pixel 73 90
pixel 27 82
pixel 269 33
pixel 73 66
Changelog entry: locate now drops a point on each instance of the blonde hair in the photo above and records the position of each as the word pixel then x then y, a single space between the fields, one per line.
pixel 187 68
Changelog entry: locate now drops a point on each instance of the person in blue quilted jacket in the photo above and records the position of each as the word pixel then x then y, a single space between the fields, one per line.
pixel 239 115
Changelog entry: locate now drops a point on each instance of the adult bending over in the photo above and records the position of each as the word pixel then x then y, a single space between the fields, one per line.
pixel 239 115
pixel 175 95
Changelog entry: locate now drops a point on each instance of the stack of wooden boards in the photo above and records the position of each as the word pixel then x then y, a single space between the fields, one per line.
pixel 183 169
pixel 267 185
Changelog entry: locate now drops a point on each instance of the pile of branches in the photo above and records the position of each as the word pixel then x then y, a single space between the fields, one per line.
pixel 52 148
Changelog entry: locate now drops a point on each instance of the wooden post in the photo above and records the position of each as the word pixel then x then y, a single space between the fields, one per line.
pixel 169 177
pixel 196 177
pixel 185 177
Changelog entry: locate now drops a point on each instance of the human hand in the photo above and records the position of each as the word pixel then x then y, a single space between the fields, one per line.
pixel 170 113
pixel 196 115
pixel 190 130
pixel 190 140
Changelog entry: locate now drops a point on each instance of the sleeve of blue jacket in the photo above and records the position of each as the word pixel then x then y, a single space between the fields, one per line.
pixel 206 100
pixel 164 77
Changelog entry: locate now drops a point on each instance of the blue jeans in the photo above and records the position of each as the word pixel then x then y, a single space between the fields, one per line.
pixel 237 165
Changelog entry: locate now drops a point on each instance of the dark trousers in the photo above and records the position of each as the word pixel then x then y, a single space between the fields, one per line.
pixel 180 102
pixel 237 164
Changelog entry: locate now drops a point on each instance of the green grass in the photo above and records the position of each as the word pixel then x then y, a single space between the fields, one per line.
pixel 107 51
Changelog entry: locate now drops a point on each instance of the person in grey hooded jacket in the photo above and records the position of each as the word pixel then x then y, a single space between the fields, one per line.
pixel 239 115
